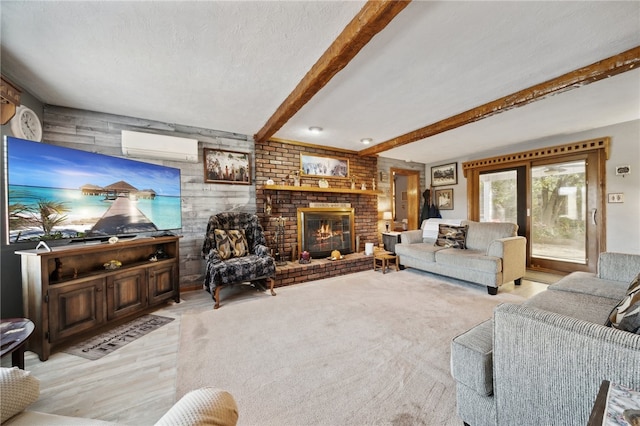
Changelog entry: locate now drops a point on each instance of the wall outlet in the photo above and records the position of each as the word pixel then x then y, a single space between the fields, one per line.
pixel 616 197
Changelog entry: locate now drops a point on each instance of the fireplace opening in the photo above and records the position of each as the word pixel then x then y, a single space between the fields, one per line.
pixel 322 230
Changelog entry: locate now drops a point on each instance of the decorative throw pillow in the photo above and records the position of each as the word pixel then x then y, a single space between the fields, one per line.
pixel 626 315
pixel 222 244
pixel 18 389
pixel 452 236
pixel 238 240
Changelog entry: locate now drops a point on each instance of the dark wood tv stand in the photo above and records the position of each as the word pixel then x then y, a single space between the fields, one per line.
pixel 68 293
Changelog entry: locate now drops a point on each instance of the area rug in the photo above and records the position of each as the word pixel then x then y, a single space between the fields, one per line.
pixel 360 349
pixel 115 338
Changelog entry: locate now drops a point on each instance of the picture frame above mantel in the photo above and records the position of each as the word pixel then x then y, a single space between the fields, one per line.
pixel 323 166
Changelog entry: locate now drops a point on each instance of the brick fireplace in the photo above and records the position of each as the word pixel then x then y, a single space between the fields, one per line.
pixel 278 160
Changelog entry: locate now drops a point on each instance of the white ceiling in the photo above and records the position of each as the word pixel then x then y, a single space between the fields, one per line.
pixel 229 65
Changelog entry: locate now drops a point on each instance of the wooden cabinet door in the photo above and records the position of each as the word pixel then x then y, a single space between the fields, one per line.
pixel 162 283
pixel 74 308
pixel 126 293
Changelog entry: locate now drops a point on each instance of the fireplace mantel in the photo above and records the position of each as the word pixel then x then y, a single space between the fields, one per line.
pixel 316 189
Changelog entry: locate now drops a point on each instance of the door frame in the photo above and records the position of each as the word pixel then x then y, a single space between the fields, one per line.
pixel 413 195
pixel 598 150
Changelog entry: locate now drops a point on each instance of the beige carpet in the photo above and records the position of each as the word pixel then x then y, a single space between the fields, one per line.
pixel 360 349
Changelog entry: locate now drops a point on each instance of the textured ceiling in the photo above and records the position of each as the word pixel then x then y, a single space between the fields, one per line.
pixel 229 65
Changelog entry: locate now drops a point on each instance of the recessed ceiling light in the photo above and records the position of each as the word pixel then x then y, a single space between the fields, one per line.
pixel 315 129
pixel 366 141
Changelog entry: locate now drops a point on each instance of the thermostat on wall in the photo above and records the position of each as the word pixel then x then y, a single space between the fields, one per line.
pixel 623 170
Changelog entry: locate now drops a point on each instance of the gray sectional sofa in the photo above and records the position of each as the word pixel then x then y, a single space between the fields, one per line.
pixel 494 254
pixel 542 362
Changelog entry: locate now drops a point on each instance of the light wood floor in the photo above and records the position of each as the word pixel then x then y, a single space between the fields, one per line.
pixel 136 384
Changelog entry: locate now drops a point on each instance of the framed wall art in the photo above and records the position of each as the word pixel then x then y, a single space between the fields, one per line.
pixel 447 174
pixel 229 167
pixel 444 199
pixel 318 165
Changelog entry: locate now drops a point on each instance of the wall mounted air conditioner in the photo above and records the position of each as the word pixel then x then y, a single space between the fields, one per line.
pixel 148 145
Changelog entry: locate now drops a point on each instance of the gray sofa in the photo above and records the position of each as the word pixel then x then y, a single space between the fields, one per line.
pixel 542 362
pixel 494 255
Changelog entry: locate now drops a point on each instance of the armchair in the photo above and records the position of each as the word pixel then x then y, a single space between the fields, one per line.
pixel 232 259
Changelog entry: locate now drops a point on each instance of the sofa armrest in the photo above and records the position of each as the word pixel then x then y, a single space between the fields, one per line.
pixel 204 406
pixel 513 252
pixel 411 237
pixel 549 366
pixel 618 266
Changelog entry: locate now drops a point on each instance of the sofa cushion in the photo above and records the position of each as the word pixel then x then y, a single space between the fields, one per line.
pixel 238 242
pixel 588 283
pixel 204 406
pixel 18 389
pixel 618 266
pixel 472 358
pixel 422 252
pixel 581 306
pixel 475 260
pixel 223 245
pixel 451 236
pixel 430 228
pixel 480 234
pixel 626 315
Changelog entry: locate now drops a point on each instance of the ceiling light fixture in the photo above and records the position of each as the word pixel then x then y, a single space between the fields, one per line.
pixel 315 129
pixel 366 141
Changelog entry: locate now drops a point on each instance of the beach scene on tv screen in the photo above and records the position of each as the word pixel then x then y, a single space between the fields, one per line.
pixel 55 192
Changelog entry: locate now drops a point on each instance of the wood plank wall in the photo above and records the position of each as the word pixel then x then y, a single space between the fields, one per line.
pixel 101 133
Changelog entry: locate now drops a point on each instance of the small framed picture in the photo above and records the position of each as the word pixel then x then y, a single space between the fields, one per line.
pixel 447 174
pixel 318 165
pixel 444 199
pixel 229 167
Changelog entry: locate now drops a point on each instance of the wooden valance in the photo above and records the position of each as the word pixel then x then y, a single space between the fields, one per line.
pixel 534 154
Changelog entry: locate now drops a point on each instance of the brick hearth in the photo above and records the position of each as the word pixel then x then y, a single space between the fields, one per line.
pixel 295 273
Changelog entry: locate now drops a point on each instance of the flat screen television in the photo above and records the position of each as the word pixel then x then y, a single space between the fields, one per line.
pixel 54 192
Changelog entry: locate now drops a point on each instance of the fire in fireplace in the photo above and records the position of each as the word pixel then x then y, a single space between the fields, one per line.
pixel 322 230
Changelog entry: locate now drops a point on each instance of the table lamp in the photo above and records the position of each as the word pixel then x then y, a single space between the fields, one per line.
pixel 387 216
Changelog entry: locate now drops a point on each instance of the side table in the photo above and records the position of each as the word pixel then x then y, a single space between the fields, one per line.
pixel 383 260
pixel 390 239
pixel 14 333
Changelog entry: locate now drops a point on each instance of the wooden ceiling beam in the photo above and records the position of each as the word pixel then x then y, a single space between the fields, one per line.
pixel 372 18
pixel 614 65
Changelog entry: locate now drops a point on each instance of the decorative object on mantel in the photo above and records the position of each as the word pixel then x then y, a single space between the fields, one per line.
pixel 322 183
pixel 364 186
pixel 353 182
pixel 373 184
pixel 269 182
pixel 295 176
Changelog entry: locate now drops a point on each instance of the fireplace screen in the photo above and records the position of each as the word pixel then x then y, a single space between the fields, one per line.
pixel 322 230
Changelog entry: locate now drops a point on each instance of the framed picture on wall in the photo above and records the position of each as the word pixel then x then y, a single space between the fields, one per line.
pixel 229 167
pixel 444 199
pixel 447 174
pixel 318 165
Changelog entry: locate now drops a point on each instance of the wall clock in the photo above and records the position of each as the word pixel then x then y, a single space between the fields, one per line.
pixel 26 124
